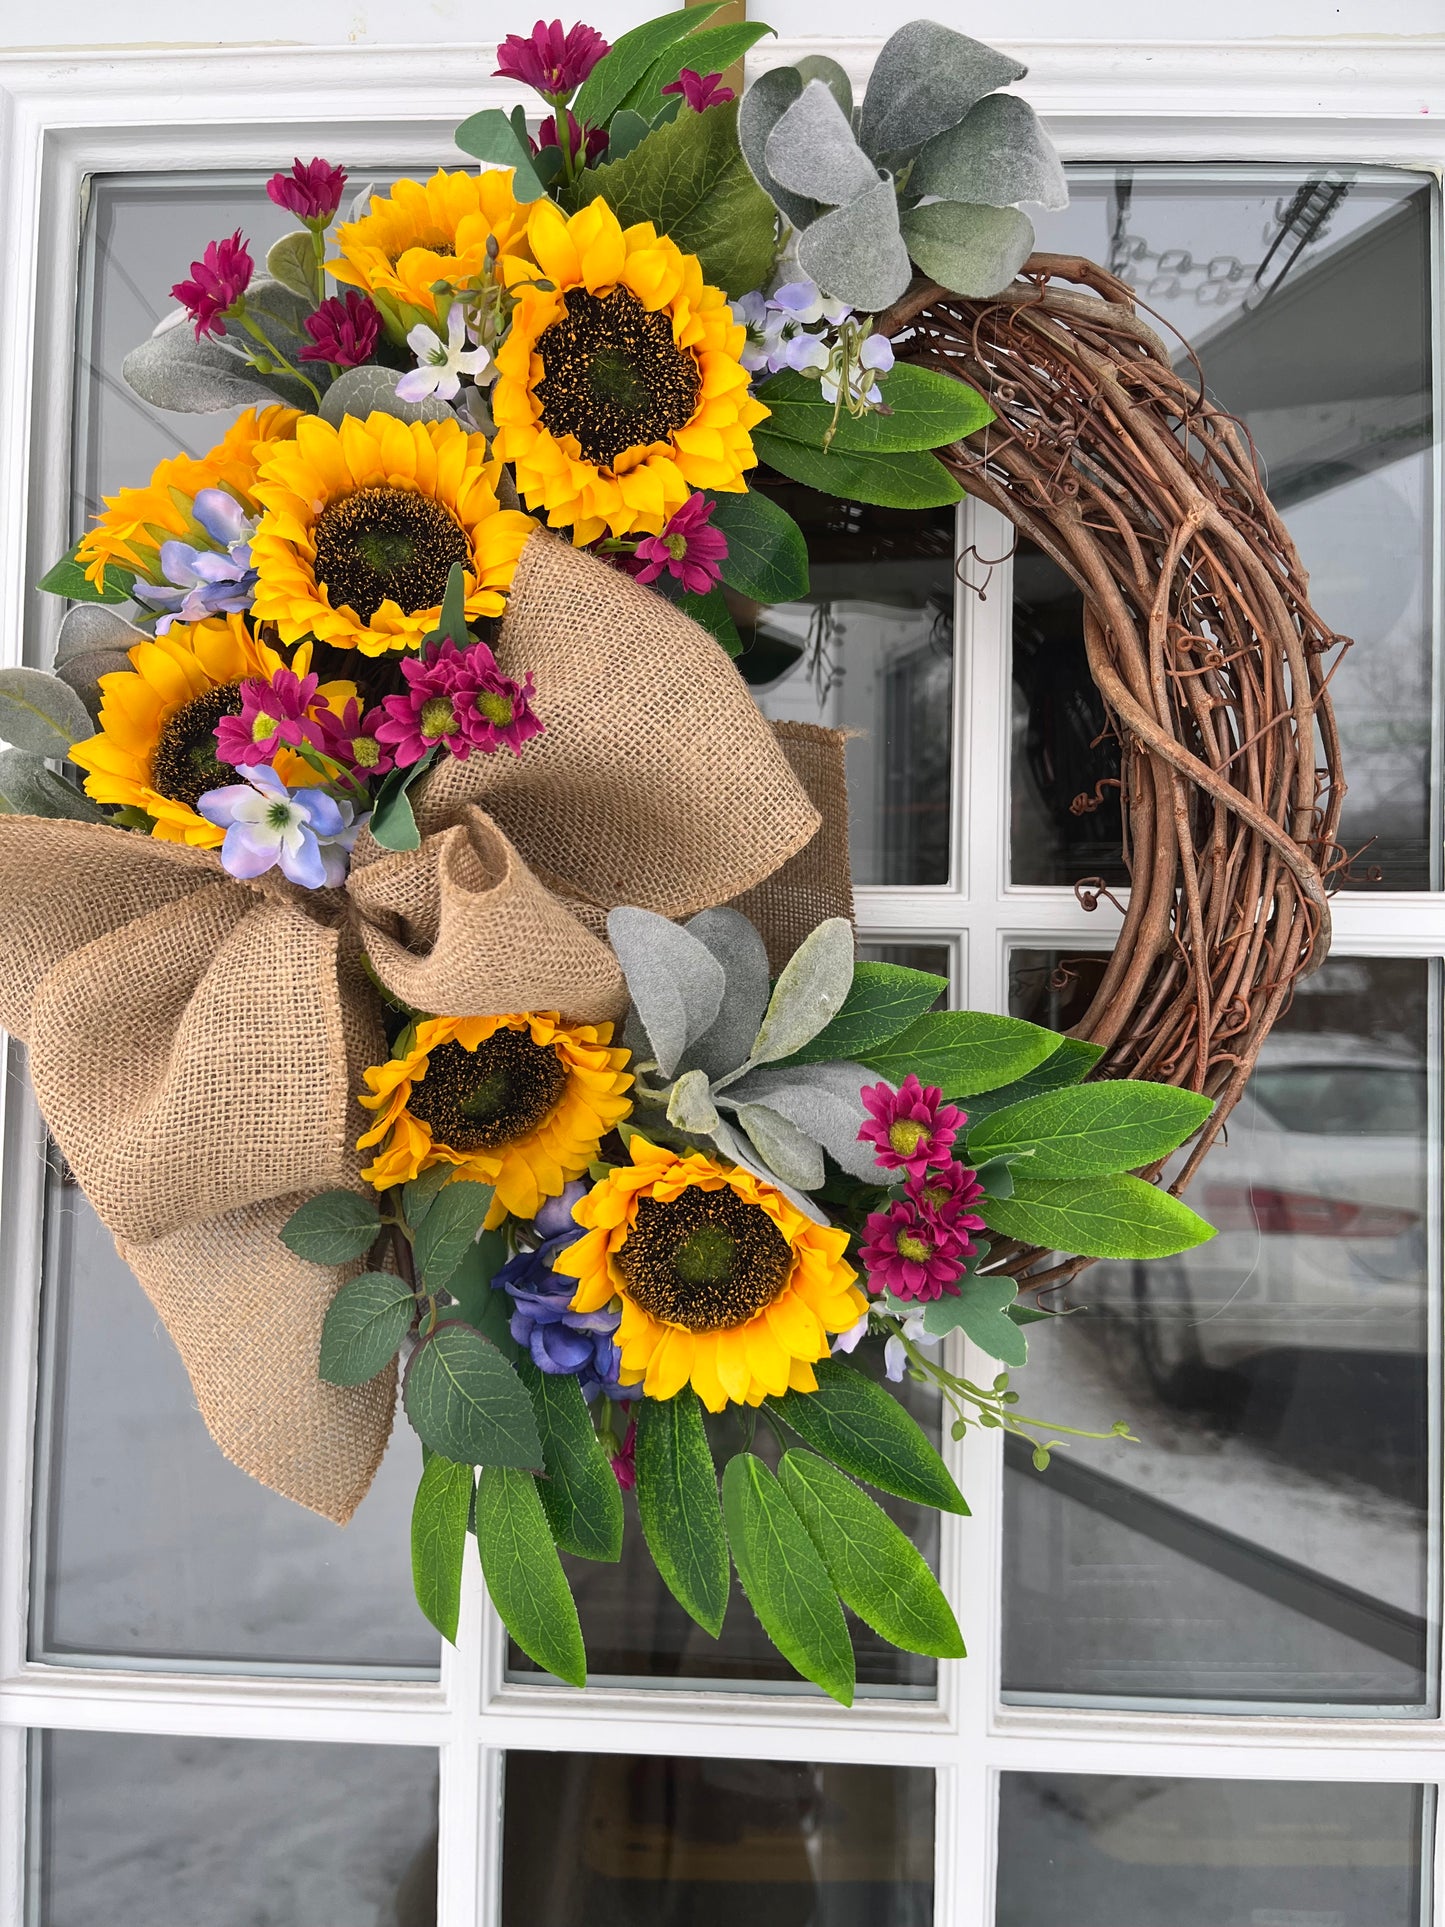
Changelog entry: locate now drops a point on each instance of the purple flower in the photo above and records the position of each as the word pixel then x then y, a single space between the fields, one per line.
pixel 588 141
pixel 909 1128
pixel 200 582
pixel 700 91
pixel 351 739
pixel 946 1195
pixel 308 835
pixel 562 1342
pixel 218 280
pixel 342 330
pixel 624 1462
pixel 687 548
pixel 311 191
pixel 553 62
pixel 272 714
pixel 905 1255
pixel 460 698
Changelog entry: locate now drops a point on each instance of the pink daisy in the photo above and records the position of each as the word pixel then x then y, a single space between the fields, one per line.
pixel 351 739
pixel 272 714
pixel 904 1254
pixel 909 1128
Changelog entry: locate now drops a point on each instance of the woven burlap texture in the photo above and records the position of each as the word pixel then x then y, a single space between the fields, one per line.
pixel 196 1043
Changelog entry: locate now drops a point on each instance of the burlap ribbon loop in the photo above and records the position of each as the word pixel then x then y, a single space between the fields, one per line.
pixel 196 1043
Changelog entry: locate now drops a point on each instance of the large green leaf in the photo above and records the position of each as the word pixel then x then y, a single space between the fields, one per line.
pixel 482 1304
pixel 767 558
pixel 712 613
pixel 630 60
pixel 393 821
pixel 1103 1217
pixel 962 1051
pixel 884 1000
pixel 677 1501
pixel 785 1579
pixel 332 1228
pixel 465 1401
pixel 439 1518
pixel 926 410
pixel 707 52
pixel 579 1489
pixel 875 1567
pixel 981 1310
pixel 418 1197
pixel 449 1228
pixel 896 481
pixel 690 180
pixel 524 1575
pixel 1090 1130
pixel 364 1326
pixel 67 578
pixel 1069 1064
pixel 864 1429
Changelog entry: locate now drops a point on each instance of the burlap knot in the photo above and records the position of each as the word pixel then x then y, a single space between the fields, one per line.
pixel 196 1043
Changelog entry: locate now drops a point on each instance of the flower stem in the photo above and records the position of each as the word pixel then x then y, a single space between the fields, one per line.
pixel 257 334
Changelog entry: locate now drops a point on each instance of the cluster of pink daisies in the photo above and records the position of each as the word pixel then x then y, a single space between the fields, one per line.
pixel 919 1246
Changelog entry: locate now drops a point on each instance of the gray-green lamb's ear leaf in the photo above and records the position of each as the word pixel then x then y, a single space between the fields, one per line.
pixel 690 1106
pixel 998 155
pixel 743 1151
pixel 675 982
pixel 292 262
pixel 740 950
pixel 821 1100
pixel 820 67
pixel 925 78
pixel 28 788
pixel 811 150
pixel 40 713
pixel 360 391
pixel 763 106
pixel 857 252
pixel 173 370
pixel 812 989
pixel 790 1152
pixel 968 248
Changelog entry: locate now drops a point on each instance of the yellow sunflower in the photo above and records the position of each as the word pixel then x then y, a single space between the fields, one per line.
pixel 425 232
pixel 521 1102
pixel 156 748
pixel 620 390
pixel 138 520
pixel 723 1282
pixel 363 522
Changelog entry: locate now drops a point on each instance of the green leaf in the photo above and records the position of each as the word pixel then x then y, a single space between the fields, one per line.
pixel 970 249
pixel 785 1579
pixel 452 622
pixel 332 1228
pixel 41 713
pixel 484 1306
pixel 928 410
pixel 1069 1064
pixel 712 613
pixel 417 1197
pixel 690 180
pixel 292 262
pixel 708 52
pixel 626 131
pixel 579 1492
pixel 67 578
pixel 896 481
pixel 767 558
pixel 439 1517
pixel 677 1501
pixel 876 1569
pixel 524 1575
pixel 996 1175
pixel 1090 1130
pixel 364 1326
pixel 490 136
pixel 981 1310
pixel 962 1051
pixel 864 1429
pixel 393 824
pixel 885 999
pixel 812 987
pixel 29 787
pixel 448 1228
pixel 465 1401
pixel 628 62
pixel 1103 1217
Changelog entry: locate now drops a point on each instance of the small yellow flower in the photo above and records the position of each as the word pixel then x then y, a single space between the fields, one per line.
pixel 521 1102
pixel 622 389
pixel 363 523
pixel 724 1284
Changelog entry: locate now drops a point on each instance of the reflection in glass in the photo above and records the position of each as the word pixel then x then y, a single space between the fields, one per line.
pixel 150 1545
pixel 1267 1540
pixel 1308 302
pixel 871 650
pixel 603 1841
pixel 146 1831
pixel 932 957
pixel 1084 1850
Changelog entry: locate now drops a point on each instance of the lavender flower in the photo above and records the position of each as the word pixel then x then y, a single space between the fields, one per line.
pixel 201 582
pixel 308 835
pixel 562 1342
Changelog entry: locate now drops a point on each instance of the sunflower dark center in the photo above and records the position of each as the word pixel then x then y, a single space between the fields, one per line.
pixel 501 1091
pixel 387 543
pixel 613 376
pixel 185 764
pixel 707 1260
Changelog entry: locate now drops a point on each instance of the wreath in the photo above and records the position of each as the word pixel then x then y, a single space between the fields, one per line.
pixel 431 961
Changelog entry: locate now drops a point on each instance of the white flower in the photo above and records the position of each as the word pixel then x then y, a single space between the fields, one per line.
pixel 848 1341
pixel 441 364
pixel 895 1356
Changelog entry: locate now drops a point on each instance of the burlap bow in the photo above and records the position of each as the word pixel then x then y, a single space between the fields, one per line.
pixel 196 1043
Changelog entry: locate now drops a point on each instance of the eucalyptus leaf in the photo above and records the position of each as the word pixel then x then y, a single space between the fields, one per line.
pixel 926 78
pixel 91 627
pixel 762 106
pixel 998 155
pixel 363 1327
pixel 786 1149
pixel 439 1517
pixel 857 251
pixel 490 136
pixel 292 262
pixel 465 1401
pixel 524 1575
pixel 833 77
pixel 809 993
pixel 366 391
pixel 821 1100
pixel 174 371
pixel 675 982
pixel 785 1579
pixel 28 787
pixel 1103 1217
pixel 981 1311
pixel 735 1145
pixel 970 249
pixel 333 1228
pixel 812 152
pixel 739 948
pixel 41 713
pixel 902 481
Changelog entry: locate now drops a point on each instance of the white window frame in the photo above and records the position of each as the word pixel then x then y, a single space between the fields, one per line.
pixel 65 118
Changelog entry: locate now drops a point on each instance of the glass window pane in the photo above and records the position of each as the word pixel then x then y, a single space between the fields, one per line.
pixel 1308 301
pixel 659 1842
pixel 151 1547
pixel 1080 1850
pixel 936 958
pixel 142 1831
pixel 1267 1540
pixel 870 650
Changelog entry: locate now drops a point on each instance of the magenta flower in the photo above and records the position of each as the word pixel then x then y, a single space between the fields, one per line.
pixel 905 1255
pixel 624 1463
pixel 700 91
pixel 458 698
pixel 272 713
pixel 909 1128
pixel 595 138
pixel 945 1195
pixel 218 280
pixel 553 62
pixel 343 330
pixel 351 739
pixel 687 548
pixel 311 191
